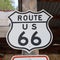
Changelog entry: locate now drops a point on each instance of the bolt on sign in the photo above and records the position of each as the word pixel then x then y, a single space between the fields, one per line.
pixel 40 57
pixel 29 30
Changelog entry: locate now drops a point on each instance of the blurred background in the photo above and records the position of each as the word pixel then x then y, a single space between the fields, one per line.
pixel 8 4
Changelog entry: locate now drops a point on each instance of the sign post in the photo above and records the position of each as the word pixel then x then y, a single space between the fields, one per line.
pixel 30 5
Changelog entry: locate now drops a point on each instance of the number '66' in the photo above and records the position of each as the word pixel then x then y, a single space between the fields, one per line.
pixel 24 40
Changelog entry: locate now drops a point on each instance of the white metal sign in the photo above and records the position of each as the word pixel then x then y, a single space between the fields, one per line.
pixel 29 30
pixel 40 57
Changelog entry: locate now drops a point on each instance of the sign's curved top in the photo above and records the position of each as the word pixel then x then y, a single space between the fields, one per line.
pixel 40 15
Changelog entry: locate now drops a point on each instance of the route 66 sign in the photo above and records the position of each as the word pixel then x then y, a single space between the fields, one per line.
pixel 29 30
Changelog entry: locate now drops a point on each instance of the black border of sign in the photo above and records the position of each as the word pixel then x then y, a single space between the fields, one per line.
pixel 47 26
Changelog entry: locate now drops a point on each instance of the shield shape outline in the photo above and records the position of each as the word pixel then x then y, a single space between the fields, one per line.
pixel 47 26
